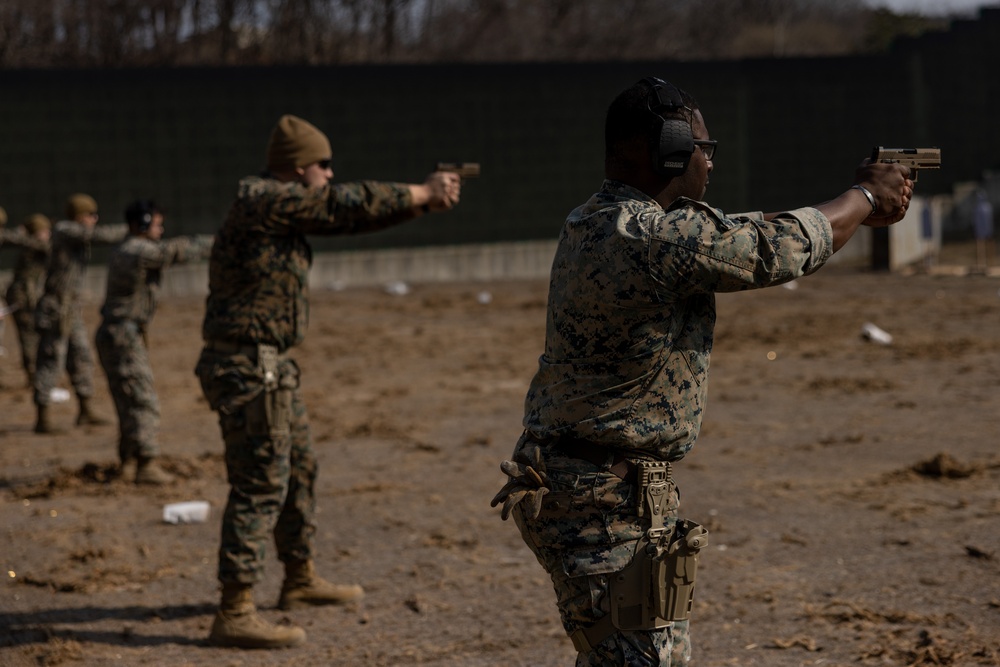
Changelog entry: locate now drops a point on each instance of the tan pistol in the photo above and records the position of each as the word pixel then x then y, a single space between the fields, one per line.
pixel 463 169
pixel 914 158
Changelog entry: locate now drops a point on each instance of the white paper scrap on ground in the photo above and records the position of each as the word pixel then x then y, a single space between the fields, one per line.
pixel 192 511
pixel 871 332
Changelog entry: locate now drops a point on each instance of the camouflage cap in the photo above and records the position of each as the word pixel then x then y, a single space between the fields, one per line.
pixel 296 143
pixel 79 204
pixel 36 222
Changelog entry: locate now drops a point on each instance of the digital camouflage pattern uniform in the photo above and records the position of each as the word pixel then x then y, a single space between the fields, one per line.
pixel 629 331
pixel 63 340
pixel 134 274
pixel 24 292
pixel 257 309
pixel 6 236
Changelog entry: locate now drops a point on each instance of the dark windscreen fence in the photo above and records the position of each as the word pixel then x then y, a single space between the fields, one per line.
pixel 790 131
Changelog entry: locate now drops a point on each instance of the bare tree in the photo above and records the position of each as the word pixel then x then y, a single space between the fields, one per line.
pixel 131 33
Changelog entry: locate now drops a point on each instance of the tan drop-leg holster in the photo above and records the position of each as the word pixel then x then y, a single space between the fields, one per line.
pixel 657 586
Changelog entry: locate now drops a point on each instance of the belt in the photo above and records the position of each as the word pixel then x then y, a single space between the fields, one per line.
pixel 600 456
pixel 230 347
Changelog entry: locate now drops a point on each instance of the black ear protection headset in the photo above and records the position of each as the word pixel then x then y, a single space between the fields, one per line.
pixel 672 142
pixel 139 214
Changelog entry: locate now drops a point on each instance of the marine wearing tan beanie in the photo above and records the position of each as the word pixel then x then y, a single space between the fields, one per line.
pixel 80 204
pixel 36 222
pixel 296 143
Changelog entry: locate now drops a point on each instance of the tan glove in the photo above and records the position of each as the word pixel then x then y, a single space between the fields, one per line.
pixel 528 482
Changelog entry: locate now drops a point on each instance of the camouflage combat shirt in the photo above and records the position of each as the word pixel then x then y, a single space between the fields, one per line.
pixel 68 257
pixel 258 272
pixel 29 270
pixel 631 313
pixel 134 274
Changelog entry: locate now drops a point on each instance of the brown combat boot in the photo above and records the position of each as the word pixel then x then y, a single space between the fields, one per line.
pixel 304 587
pixel 87 416
pixel 44 422
pixel 128 469
pixel 237 623
pixel 148 471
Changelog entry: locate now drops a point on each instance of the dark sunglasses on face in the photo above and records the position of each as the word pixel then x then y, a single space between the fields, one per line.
pixel 325 164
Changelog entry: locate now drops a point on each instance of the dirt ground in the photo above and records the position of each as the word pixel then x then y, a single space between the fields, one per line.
pixel 852 489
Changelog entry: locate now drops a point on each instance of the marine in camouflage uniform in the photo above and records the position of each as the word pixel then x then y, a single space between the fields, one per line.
pixel 26 287
pixel 134 274
pixel 257 310
pixel 623 380
pixel 3 236
pixel 63 340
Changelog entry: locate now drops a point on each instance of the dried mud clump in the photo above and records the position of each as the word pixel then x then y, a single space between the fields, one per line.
pixel 945 466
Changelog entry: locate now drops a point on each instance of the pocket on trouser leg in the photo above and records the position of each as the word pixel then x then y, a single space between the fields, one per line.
pixel 586 531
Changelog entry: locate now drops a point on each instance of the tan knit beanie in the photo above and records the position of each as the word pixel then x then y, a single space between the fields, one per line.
pixel 79 204
pixel 36 222
pixel 296 143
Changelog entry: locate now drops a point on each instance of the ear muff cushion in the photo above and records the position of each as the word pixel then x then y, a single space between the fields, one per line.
pixel 675 147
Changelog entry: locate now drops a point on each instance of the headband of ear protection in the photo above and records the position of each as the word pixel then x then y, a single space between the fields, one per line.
pixel 672 141
pixel 139 214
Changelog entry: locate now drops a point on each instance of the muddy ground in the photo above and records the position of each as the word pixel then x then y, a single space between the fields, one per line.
pixel 852 489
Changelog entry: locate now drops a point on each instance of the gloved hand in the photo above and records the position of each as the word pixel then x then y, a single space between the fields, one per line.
pixel 528 482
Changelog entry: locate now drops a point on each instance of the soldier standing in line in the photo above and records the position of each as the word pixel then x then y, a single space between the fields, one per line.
pixel 257 310
pixel 621 386
pixel 134 274
pixel 63 340
pixel 26 287
pixel 3 306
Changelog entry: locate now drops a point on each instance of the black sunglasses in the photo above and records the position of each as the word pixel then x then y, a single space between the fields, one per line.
pixel 707 147
pixel 326 164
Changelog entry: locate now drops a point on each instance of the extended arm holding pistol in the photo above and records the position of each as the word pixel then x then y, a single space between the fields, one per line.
pixel 914 158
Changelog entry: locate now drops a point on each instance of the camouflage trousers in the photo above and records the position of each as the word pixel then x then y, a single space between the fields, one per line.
pixel 587 530
pixel 121 347
pixel 65 346
pixel 24 322
pixel 270 463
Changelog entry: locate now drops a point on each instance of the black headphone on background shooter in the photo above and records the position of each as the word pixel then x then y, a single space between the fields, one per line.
pixel 673 142
pixel 139 214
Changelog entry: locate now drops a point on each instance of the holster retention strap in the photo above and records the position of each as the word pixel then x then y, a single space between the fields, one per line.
pixel 267 361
